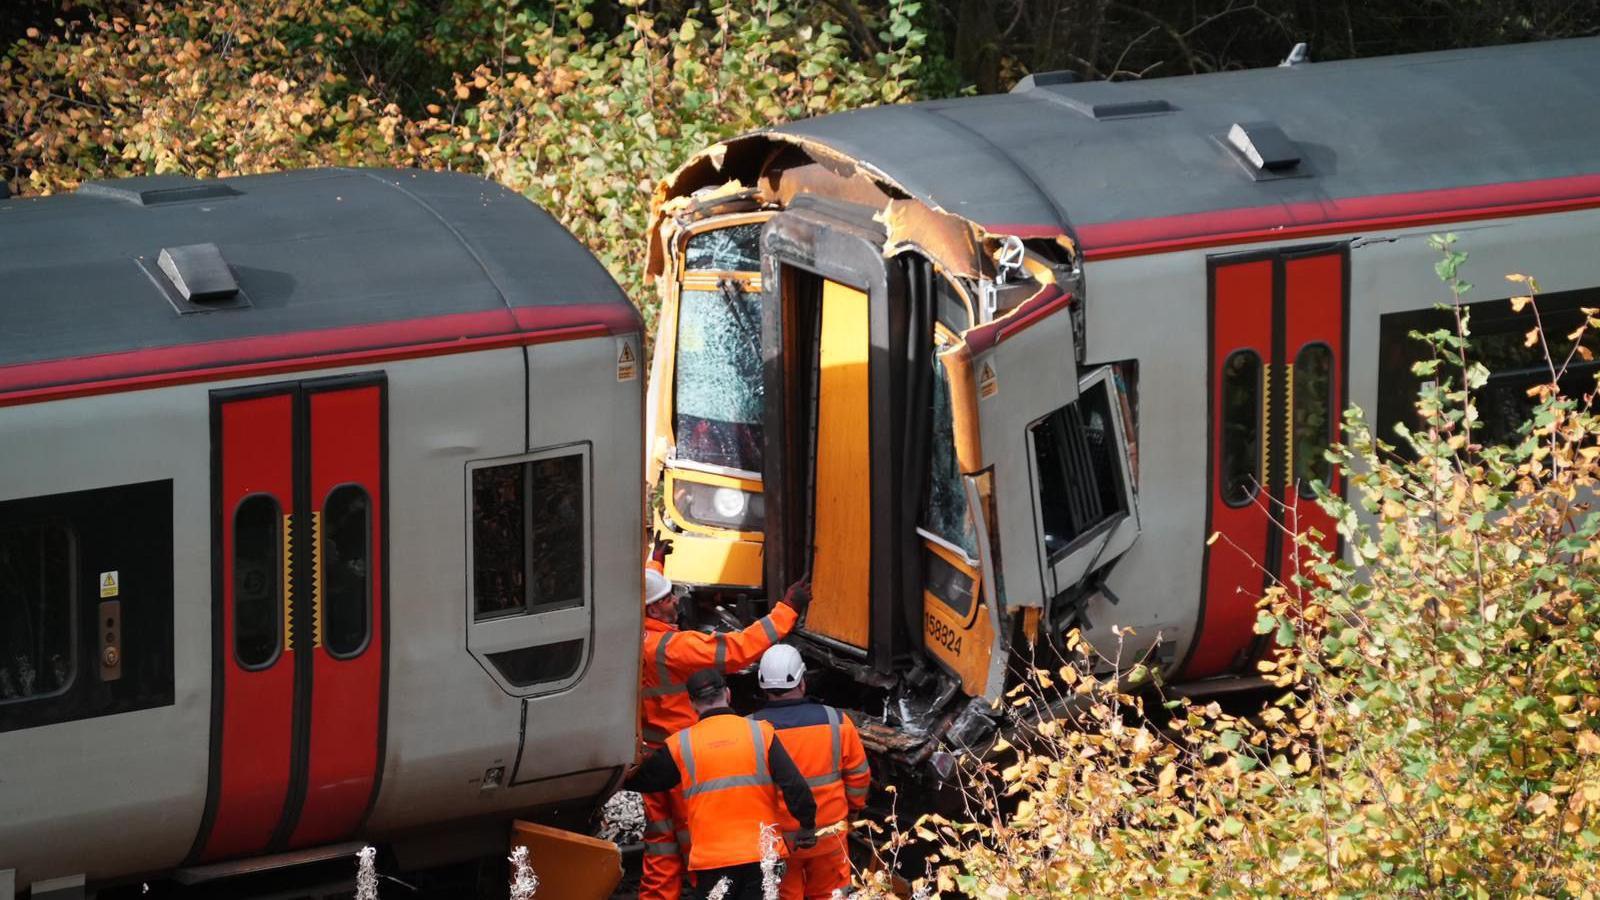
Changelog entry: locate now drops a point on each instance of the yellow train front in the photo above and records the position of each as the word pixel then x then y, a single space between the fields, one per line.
pixel 995 368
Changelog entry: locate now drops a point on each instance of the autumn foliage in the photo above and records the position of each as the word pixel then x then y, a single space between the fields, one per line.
pixel 583 116
pixel 1435 722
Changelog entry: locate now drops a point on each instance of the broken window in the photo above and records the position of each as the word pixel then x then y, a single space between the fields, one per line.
pixel 1080 478
pixel 1313 416
pixel 736 248
pixel 36 657
pixel 945 514
pixel 717 382
pixel 1241 427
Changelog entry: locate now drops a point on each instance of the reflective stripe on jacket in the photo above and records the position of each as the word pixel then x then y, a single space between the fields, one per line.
pixel 728 791
pixel 671 656
pixel 827 750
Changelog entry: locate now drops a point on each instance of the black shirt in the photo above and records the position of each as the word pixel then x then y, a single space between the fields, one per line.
pixel 659 772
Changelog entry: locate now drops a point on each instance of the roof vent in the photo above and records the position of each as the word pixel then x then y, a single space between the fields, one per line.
pixel 1045 79
pixel 1264 146
pixel 1299 54
pixel 199 272
pixel 151 190
pixel 195 279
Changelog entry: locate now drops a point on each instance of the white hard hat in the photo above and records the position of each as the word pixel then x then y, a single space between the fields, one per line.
pixel 781 668
pixel 656 586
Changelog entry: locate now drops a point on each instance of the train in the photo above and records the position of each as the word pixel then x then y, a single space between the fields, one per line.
pixel 316 525
pixel 324 494
pixel 996 370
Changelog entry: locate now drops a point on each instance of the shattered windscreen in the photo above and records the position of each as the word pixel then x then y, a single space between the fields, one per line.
pixel 736 248
pixel 946 512
pixel 717 387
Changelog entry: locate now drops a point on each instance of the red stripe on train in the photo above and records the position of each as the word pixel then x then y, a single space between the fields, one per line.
pixel 308 350
pixel 1165 234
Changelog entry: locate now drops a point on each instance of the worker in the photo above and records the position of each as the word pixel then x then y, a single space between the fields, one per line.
pixel 826 747
pixel 669 657
pixel 730 771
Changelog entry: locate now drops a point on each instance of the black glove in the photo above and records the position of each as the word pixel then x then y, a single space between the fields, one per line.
pixel 798 596
pixel 806 839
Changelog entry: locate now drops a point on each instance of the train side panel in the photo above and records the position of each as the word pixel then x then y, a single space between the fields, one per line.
pixel 121 792
pixel 1153 309
pixel 463 736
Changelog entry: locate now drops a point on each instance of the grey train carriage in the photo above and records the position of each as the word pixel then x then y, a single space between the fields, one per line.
pixel 994 368
pixel 318 516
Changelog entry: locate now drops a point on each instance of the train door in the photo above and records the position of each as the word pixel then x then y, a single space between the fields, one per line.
pixel 842 474
pixel 1277 361
pixel 299 613
pixel 832 354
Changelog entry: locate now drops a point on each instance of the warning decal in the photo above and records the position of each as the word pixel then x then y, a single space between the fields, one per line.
pixel 988 384
pixel 109 586
pixel 627 360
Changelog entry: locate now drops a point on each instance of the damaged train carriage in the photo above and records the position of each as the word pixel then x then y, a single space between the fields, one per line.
pixel 936 354
pixel 855 383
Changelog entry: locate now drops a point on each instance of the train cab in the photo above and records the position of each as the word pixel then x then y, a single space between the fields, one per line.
pixel 317 514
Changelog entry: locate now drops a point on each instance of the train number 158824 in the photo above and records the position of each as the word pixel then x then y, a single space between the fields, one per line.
pixel 943 634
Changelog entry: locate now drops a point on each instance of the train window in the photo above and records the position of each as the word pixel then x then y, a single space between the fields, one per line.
pixel 948 583
pixel 736 248
pixel 36 612
pixel 346 570
pixel 717 383
pixel 528 536
pixel 257 579
pixel 1080 478
pixel 944 515
pixel 1313 416
pixel 1241 427
pixel 1497 340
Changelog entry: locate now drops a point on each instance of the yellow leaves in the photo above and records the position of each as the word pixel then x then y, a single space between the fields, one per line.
pixel 1531 338
pixel 1588 743
pixel 1519 303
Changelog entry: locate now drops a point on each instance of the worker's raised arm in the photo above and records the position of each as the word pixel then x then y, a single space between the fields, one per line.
pixel 796 793
pixel 853 765
pixel 690 651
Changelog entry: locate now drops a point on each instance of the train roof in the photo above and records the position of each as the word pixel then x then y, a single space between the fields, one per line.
pixel 1097 156
pixel 324 262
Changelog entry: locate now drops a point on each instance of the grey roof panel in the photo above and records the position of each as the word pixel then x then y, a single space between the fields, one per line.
pixel 1364 128
pixel 311 250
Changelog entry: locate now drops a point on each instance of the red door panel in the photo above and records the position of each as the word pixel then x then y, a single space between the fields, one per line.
pixel 1241 335
pixel 298 709
pixel 252 768
pixel 1286 309
pixel 346 439
pixel 1314 319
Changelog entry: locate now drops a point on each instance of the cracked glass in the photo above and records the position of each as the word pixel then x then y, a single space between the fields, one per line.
pixel 717 384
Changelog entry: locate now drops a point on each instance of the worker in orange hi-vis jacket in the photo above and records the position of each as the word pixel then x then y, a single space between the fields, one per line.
pixel 670 656
pixel 826 747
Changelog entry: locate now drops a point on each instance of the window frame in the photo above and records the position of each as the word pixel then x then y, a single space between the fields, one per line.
pixel 278 575
pixel 73 584
pixel 532 625
pixel 325 594
pixel 1259 457
pixel 1114 534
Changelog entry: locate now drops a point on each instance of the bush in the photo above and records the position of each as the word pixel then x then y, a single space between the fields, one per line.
pixel 580 117
pixel 1436 734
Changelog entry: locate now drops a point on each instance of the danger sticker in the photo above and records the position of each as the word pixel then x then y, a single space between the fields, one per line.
pixel 627 361
pixel 109 585
pixel 988 384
